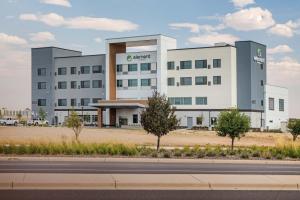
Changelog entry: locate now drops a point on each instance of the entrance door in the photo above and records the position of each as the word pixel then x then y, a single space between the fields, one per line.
pixel 189 122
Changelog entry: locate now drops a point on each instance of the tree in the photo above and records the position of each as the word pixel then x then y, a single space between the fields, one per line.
pixel 233 124
pixel 294 127
pixel 19 115
pixel 158 118
pixel 0 114
pixel 42 114
pixel 76 123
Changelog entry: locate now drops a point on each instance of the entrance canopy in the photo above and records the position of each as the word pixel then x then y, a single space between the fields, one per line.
pixel 120 104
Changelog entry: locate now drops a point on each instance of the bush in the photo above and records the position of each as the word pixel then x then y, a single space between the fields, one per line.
pixel 177 152
pixel 244 155
pixel 200 154
pixel 167 154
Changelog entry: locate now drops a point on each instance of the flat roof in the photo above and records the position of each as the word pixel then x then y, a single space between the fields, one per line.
pixel 81 56
pixel 251 41
pixel 139 36
pixel 228 45
pixel 55 48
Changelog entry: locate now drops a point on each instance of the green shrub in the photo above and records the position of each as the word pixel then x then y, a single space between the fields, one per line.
pixel 244 155
pixel 177 152
pixel 200 154
pixel 211 153
pixel 167 154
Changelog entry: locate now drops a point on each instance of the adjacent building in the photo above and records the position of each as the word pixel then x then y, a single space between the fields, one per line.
pixel 112 89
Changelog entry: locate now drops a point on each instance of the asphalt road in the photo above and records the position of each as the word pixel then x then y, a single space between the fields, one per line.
pixel 147 194
pixel 14 166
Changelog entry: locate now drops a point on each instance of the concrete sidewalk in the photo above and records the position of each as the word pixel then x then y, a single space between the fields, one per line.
pixel 152 160
pixel 16 181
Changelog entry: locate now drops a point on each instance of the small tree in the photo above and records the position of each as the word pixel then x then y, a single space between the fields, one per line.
pixel 294 127
pixel 19 115
pixel 75 122
pixel 158 118
pixel 42 114
pixel 233 124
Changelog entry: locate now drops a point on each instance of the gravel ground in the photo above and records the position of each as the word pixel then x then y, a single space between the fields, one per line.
pixel 133 136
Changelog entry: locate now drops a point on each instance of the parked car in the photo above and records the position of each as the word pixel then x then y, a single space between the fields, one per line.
pixel 37 122
pixel 9 121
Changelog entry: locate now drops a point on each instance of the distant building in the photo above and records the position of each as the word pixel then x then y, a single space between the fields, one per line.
pixel 7 113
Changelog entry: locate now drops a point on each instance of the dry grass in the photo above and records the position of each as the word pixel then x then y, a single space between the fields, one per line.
pixel 21 135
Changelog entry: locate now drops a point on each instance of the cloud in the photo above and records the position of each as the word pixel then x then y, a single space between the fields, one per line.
pixel 196 28
pixel 249 19
pixel 280 49
pixel 42 37
pixel 65 3
pixel 212 38
pixel 98 40
pixel 285 30
pixel 82 22
pixel 242 3
pixel 11 39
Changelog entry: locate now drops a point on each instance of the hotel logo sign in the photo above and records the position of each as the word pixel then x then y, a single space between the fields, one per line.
pixel 258 58
pixel 131 58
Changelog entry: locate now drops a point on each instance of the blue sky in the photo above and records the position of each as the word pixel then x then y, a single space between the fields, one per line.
pixel 84 25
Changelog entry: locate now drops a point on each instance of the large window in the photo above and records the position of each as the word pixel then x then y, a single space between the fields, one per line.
pixel 201 80
pixel 119 68
pixel 97 69
pixel 201 64
pixel 132 67
pixel 271 103
pixel 146 82
pixel 85 84
pixel 62 102
pixel 73 102
pixel 62 71
pixel 73 70
pixel 85 69
pixel 119 83
pixel 62 85
pixel 97 83
pixel 84 101
pixel 186 64
pixel 201 100
pixel 186 81
pixel 41 71
pixel 216 63
pixel 281 104
pixel 180 100
pixel 135 118
pixel 132 82
pixel 42 85
pixel 41 102
pixel 145 66
pixel 73 84
pixel 171 81
pixel 171 65
pixel 95 100
pixel 217 80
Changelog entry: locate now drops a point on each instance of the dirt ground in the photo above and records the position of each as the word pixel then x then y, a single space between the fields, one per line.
pixel 133 136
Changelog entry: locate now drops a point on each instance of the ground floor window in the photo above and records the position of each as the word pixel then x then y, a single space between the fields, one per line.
pixel 135 118
pixel 94 118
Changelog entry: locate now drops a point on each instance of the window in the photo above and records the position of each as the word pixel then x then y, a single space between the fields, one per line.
pixel 85 84
pixel 41 71
pixel 62 102
pixel 62 71
pixel 271 103
pixel 84 101
pixel 73 70
pixel 73 102
pixel 201 80
pixel 94 118
pixel 135 118
pixel 171 65
pixel 146 82
pixel 217 80
pixel 262 102
pixel 97 69
pixel 171 81
pixel 95 100
pixel 119 68
pixel 216 63
pixel 42 85
pixel 261 66
pixel 41 102
pixel 97 83
pixel 180 100
pixel 201 64
pixel 132 82
pixel 85 69
pixel 281 104
pixel 145 66
pixel 62 85
pixel 86 118
pixel 186 64
pixel 132 67
pixel 201 100
pixel 186 81
pixel 73 84
pixel 262 83
pixel 119 83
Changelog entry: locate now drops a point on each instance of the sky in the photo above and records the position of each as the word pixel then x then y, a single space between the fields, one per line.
pixel 85 24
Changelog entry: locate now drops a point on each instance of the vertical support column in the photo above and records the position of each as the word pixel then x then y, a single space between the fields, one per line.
pixel 112 116
pixel 100 117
